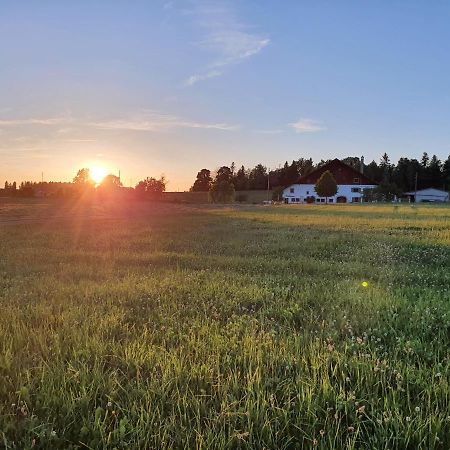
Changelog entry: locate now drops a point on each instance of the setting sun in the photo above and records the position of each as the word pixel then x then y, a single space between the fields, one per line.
pixel 97 174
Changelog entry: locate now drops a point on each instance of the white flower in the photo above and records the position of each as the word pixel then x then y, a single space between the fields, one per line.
pixel 417 409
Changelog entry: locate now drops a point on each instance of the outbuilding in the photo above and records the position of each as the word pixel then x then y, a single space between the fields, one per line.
pixel 428 195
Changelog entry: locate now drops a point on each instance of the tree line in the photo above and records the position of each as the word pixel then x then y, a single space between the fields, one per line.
pixel 84 185
pixel 393 179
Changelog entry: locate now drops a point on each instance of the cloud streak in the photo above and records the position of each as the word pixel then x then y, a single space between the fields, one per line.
pixel 31 121
pixel 159 122
pixel 147 121
pixel 225 37
pixel 307 126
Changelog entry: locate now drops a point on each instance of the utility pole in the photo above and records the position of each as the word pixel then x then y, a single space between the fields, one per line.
pixel 268 183
pixel 42 177
pixel 415 188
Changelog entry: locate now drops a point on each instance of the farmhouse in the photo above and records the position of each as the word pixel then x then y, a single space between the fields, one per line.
pixel 428 195
pixel 350 181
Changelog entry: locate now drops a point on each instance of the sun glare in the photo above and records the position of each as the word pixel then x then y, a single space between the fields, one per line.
pixel 97 174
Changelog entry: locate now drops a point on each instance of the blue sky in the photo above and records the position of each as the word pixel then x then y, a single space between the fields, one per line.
pixel 152 87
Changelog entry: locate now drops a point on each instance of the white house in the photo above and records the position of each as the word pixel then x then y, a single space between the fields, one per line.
pixel 428 195
pixel 350 182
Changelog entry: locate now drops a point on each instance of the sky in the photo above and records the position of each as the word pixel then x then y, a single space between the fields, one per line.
pixel 173 86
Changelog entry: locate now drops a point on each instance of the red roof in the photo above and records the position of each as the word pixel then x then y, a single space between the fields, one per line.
pixel 342 173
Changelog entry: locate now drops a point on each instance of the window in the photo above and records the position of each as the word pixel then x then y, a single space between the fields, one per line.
pixel 356 189
pixel 355 199
pixel 330 200
pixel 297 200
pixel 317 200
pixel 307 192
pixel 322 200
pixel 291 190
pixel 356 180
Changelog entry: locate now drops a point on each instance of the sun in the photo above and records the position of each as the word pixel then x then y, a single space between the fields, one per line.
pixel 97 174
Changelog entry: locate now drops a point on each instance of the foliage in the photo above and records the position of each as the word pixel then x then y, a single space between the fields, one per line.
pixel 222 192
pixel 430 172
pixel 110 183
pixel 326 185
pixel 384 192
pixel 203 181
pixel 83 178
pixel 151 188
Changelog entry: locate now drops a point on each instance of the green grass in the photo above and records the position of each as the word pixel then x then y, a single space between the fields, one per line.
pixel 227 328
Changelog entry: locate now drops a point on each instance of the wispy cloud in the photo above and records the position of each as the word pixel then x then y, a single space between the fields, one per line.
pixel 200 77
pixel 32 121
pixel 225 37
pixel 143 121
pixel 307 126
pixel 158 122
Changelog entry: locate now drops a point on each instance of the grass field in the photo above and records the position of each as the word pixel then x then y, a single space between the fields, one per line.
pixel 167 327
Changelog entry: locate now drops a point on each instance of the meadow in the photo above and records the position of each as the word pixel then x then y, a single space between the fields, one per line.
pixel 145 326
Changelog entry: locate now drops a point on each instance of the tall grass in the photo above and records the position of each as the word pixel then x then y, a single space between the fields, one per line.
pixel 287 327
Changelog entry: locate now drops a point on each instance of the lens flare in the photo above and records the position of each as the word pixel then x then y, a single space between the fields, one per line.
pixel 97 174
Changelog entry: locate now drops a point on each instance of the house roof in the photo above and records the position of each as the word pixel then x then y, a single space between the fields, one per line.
pixel 342 173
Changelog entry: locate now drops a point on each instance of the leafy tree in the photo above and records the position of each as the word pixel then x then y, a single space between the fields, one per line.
pixel 353 161
pixel 224 174
pixel 151 188
pixel 83 178
pixel 203 181
pixel 240 179
pixel 110 183
pixel 326 185
pixel 222 190
pixel 385 192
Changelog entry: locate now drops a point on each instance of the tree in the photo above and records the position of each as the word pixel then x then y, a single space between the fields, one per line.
pixel 305 166
pixel 404 174
pixel 446 173
pixel 151 188
pixel 240 179
pixel 424 160
pixel 385 192
pixel 224 174
pixel 258 177
pixel 353 161
pixel 222 190
pixel 386 168
pixel 110 183
pixel 203 181
pixel 83 178
pixel 326 185
pixel 374 172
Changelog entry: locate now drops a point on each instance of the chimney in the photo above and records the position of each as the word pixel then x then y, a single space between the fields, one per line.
pixel 361 169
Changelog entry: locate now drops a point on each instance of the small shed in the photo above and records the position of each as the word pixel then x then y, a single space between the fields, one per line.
pixel 428 195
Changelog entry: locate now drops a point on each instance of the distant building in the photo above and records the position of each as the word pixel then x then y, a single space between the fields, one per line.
pixel 428 195
pixel 350 182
